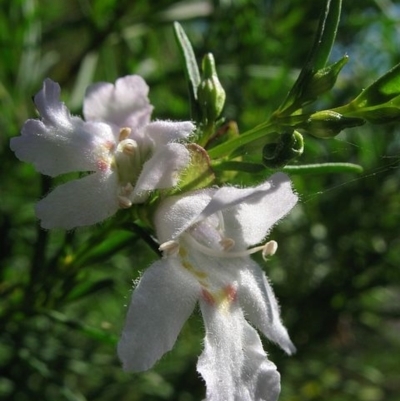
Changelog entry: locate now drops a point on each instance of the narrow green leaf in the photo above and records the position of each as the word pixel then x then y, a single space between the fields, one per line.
pixel 239 166
pixel 87 287
pixel 115 241
pixel 317 58
pixel 323 168
pixel 92 332
pixel 191 67
pixel 381 91
pixel 326 35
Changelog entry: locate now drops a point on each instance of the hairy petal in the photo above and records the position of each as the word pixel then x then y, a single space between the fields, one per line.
pixel 261 307
pixel 176 213
pixel 81 202
pixel 233 363
pixel 161 170
pixel 250 213
pixel 124 104
pixel 161 303
pixel 52 111
pixel 162 132
pixel 59 143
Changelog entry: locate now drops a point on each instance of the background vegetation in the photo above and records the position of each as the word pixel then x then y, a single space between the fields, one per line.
pixel 337 272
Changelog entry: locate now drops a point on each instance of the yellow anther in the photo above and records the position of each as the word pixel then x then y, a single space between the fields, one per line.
pixel 227 243
pixel 124 133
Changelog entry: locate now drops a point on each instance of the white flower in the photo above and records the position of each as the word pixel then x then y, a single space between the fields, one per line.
pixel 205 237
pixel 125 154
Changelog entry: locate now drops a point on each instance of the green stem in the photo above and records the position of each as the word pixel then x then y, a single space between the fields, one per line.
pixel 264 130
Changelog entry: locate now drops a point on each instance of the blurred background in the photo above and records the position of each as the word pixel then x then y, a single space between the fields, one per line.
pixel 63 296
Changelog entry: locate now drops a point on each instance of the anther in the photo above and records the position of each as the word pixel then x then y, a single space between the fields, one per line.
pixel 227 243
pixel 129 147
pixel 124 202
pixel 124 133
pixel 169 248
pixel 126 189
pixel 269 249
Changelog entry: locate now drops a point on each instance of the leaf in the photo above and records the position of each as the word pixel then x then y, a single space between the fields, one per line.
pixel 381 91
pixel 379 103
pixel 115 241
pixel 92 332
pixel 191 68
pixel 323 168
pixel 319 54
pixel 239 166
pixel 325 36
pixel 87 287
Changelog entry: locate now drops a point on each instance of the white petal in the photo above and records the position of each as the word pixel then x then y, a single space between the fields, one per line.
pixel 124 104
pixel 161 170
pixel 176 213
pixel 233 363
pixel 259 303
pixel 81 202
pixel 161 303
pixel 60 143
pixel 51 109
pixel 249 213
pixel 162 132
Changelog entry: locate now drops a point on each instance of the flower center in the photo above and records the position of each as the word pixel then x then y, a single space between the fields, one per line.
pixel 127 162
pixel 208 237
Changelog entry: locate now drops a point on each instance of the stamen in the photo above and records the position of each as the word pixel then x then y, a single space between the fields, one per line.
pixel 124 202
pixel 270 249
pixel 227 243
pixel 170 248
pixel 124 133
pixel 129 147
pixel 126 189
pixel 267 249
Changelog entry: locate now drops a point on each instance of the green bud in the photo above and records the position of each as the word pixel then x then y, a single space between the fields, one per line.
pixel 210 93
pixel 324 79
pixel 329 123
pixel 289 146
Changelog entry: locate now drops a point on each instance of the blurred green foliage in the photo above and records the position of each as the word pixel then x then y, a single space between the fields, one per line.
pixel 337 272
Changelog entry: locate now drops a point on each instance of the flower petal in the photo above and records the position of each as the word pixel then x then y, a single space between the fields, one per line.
pixel 51 109
pixel 60 143
pixel 161 303
pixel 81 202
pixel 249 213
pixel 176 213
pixel 162 132
pixel 161 170
pixel 233 363
pixel 261 307
pixel 124 104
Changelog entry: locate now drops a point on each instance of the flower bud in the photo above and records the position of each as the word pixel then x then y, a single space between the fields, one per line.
pixel 324 79
pixel 329 123
pixel 289 146
pixel 210 93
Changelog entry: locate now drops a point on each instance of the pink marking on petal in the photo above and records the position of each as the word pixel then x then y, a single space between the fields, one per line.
pixel 207 296
pixel 102 165
pixel 231 293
